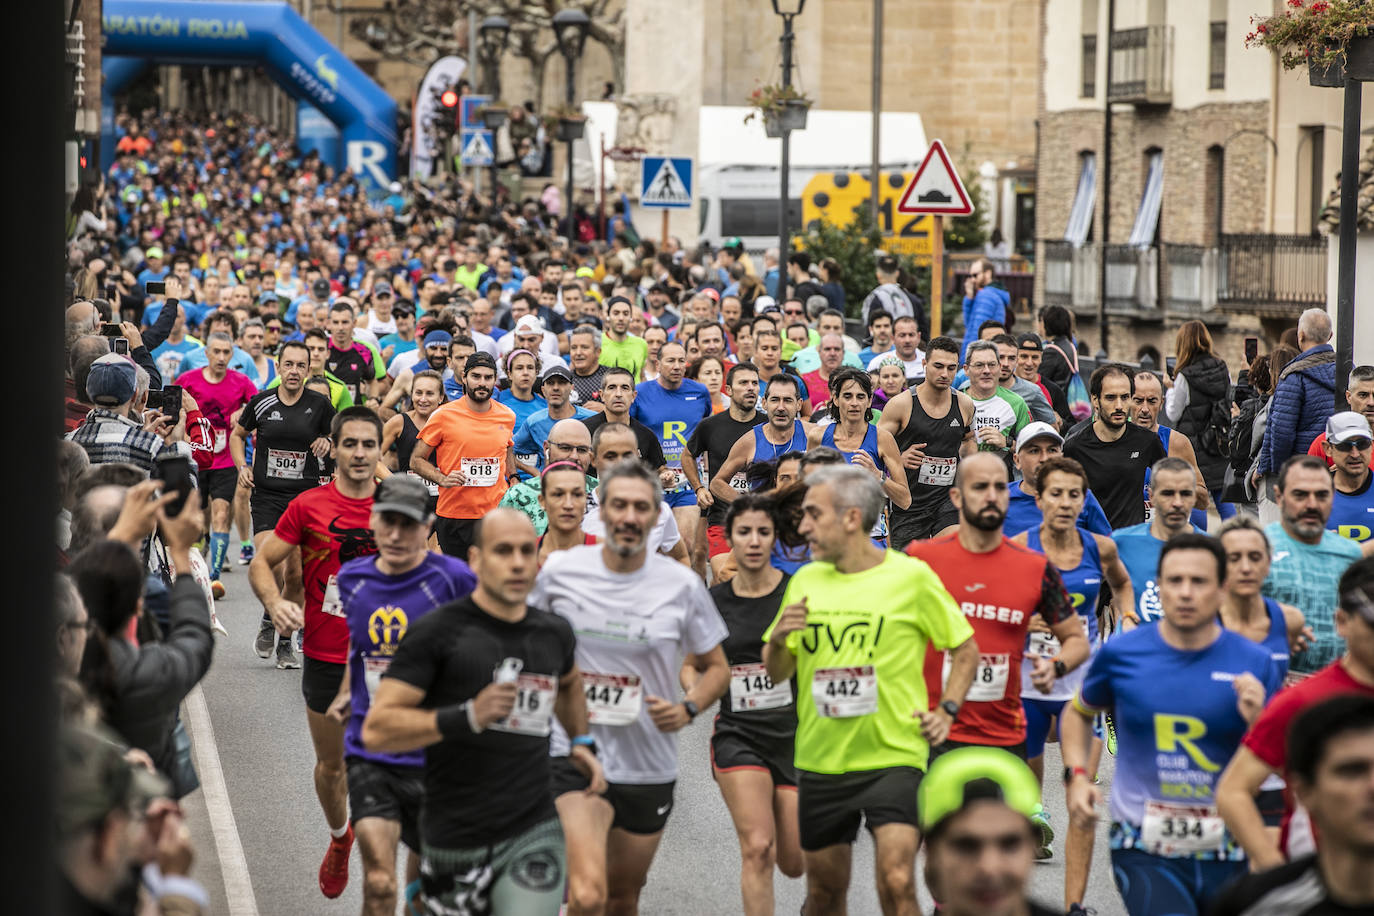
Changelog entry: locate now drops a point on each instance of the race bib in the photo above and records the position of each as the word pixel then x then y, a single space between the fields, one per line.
pixel 612 699
pixel 221 440
pixel 431 487
pixel 840 693
pixel 937 472
pixel 533 712
pixel 331 604
pixel 1149 511
pixel 1181 830
pixel 740 483
pixel 283 464
pixel 531 460
pixel 481 472
pixel 373 669
pixel 1043 645
pixel 676 479
pixel 752 688
pixel 989 678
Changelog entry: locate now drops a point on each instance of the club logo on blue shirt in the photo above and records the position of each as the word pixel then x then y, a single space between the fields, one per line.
pixel 386 627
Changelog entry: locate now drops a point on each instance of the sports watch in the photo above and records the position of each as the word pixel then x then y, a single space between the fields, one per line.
pixel 692 709
pixel 951 708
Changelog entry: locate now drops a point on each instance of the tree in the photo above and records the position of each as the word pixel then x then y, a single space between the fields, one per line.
pixel 421 31
pixel 855 247
pixel 968 232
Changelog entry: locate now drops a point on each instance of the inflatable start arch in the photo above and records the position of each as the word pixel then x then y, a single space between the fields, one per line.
pixel 139 33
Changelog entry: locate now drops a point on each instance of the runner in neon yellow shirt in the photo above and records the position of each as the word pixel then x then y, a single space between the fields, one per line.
pixel 854 628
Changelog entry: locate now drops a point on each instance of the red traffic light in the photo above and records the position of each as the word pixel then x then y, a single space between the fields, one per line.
pixel 449 99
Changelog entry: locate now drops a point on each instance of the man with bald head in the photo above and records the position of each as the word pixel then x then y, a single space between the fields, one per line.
pixel 452 688
pixel 569 440
pixel 1005 590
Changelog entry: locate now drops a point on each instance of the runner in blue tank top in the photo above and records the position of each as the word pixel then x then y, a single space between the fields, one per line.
pixel 862 442
pixel 1182 693
pixel 1278 628
pixel 1083 559
pixel 769 441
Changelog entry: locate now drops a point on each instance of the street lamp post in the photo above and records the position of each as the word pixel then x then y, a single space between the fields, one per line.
pixel 788 10
pixel 570 27
pixel 491 44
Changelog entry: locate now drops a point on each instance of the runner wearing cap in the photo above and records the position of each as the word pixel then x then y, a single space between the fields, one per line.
pixel 1173 487
pixel 383 597
pixel 1171 852
pixel 1029 351
pixel 1001 586
pixel 292 439
pixel 618 346
pixel 556 386
pixel 529 334
pixel 328 525
pixel 976 807
pixel 1349 445
pixel 638 617
pixel 478 684
pixel 864 723
pixel 672 406
pixel 473 461
pixel 933 427
pixel 1037 443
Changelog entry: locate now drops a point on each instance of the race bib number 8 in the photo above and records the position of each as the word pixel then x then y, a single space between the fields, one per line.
pixel 533 712
pixel 612 699
pixel 989 678
pixel 840 693
pixel 1181 830
pixel 481 472
pixel 752 688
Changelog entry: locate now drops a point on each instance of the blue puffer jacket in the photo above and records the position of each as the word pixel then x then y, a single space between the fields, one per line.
pixel 1303 400
pixel 988 303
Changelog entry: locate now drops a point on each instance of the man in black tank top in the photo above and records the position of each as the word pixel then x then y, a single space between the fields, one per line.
pixel 933 426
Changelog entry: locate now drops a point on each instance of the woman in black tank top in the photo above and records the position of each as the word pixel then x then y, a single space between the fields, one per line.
pixel 403 430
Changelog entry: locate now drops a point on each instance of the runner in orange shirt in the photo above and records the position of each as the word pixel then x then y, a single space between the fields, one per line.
pixel 466 448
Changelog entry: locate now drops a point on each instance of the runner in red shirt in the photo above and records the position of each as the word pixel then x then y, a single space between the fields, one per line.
pixel 330 525
pixel 1264 750
pixel 999 586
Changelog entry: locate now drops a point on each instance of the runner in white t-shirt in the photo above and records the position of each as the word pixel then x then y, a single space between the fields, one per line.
pixel 637 617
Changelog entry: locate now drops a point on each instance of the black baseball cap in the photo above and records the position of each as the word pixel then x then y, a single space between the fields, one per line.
pixel 1029 341
pixel 402 494
pixel 478 361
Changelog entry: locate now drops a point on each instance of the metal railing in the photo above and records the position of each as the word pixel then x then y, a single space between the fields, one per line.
pixel 1280 273
pixel 1132 279
pixel 1071 274
pixel 1190 273
pixel 1141 65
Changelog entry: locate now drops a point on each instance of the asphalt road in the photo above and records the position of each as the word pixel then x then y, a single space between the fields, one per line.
pixel 260 835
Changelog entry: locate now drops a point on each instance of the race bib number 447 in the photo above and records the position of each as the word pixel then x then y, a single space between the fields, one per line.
pixel 612 699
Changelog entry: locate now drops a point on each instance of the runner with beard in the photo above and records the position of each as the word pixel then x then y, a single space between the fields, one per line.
pixel 329 526
pixel 470 441
pixel 933 427
pixel 1173 488
pixel 714 437
pixel 292 438
pixel 1115 452
pixel 1000 586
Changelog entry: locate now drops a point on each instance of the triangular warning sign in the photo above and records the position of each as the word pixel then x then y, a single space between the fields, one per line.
pixel 936 188
pixel 666 187
pixel 478 149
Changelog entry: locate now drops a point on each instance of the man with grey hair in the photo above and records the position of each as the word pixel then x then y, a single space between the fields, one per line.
pixel 861 688
pixel 584 356
pixel 638 617
pixel 1304 397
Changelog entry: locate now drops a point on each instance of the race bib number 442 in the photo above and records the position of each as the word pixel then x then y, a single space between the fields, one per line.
pixel 843 692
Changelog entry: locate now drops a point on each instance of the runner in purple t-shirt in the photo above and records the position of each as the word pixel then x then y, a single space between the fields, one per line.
pixel 383 596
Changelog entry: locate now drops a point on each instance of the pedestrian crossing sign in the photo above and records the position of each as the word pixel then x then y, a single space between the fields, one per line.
pixel 477 148
pixel 665 183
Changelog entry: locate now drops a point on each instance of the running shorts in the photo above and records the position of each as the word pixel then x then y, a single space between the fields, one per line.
pixel 734 749
pixel 524 874
pixel 393 793
pixel 830 807
pixel 906 526
pixel 1153 885
pixel 1038 714
pixel 218 483
pixel 716 541
pixel 267 508
pixel 641 809
pixel 676 499
pixel 320 683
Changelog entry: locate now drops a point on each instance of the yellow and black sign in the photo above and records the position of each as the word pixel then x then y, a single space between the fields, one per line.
pixel 831 197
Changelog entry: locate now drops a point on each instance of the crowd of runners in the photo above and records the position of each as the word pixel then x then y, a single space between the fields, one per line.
pixel 521 510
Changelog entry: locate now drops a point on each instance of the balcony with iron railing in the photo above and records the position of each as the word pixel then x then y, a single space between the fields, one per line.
pixel 1142 62
pixel 1269 275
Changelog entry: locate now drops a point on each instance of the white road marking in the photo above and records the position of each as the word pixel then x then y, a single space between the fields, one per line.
pixel 238 885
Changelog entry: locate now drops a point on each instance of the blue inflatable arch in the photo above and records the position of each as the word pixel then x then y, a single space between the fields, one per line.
pixel 139 33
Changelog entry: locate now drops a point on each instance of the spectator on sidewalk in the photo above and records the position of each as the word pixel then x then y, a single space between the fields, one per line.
pixel 1304 397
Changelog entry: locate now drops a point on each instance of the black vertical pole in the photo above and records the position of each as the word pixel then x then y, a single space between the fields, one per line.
pixel 1345 270
pixel 784 243
pixel 572 234
pixel 1103 334
pixel 45 108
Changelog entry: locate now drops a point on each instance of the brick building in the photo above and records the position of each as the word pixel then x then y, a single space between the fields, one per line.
pixel 1220 162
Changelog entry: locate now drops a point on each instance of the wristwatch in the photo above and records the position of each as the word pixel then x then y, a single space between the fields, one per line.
pixel 950 707
pixel 692 709
pixel 586 741
pixel 1060 669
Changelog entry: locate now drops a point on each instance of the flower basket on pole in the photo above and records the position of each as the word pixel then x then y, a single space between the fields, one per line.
pixel 1333 39
pixel 782 108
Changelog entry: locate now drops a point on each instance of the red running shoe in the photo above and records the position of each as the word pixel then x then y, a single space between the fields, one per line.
pixel 334 868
